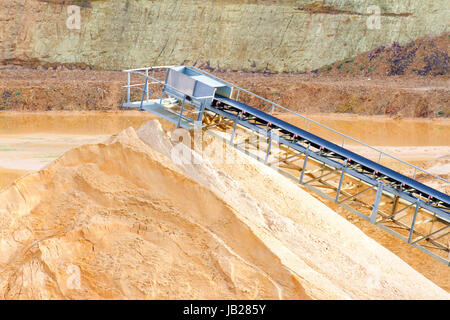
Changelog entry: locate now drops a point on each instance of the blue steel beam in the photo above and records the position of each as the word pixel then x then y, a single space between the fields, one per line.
pixel 385 180
pixel 335 164
pixel 352 172
pixel 345 153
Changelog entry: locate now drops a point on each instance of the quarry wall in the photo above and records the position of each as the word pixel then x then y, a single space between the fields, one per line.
pixel 255 35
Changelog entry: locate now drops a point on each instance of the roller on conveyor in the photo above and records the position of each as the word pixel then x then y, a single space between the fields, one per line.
pixel 318 142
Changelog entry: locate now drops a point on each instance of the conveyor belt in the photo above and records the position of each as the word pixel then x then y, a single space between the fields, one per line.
pixel 402 206
pixel 424 190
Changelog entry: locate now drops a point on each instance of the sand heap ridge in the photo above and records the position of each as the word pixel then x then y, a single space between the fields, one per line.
pixel 120 219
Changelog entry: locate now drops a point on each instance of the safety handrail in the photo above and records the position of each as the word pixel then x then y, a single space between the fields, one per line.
pixel 155 81
pixel 324 126
pixel 274 104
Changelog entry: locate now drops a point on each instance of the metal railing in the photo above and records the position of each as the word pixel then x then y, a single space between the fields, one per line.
pixel 145 72
pixel 345 137
pixel 417 219
pixel 147 93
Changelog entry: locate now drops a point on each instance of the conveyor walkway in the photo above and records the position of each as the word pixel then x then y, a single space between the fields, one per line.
pixel 395 202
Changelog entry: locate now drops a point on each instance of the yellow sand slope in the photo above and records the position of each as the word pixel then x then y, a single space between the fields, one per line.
pixel 121 220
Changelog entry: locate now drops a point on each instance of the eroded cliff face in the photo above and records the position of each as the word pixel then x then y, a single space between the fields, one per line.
pixel 274 36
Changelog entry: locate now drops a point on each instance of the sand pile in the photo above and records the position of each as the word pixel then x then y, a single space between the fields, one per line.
pixel 120 219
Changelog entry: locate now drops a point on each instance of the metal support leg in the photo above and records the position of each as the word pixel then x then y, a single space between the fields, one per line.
pixel 146 81
pixel 268 148
pixel 303 170
pixel 162 95
pixel 143 93
pixel 394 206
pixel 128 86
pixel 202 109
pixel 234 131
pixel 198 123
pixel 373 216
pixel 413 223
pixel 181 112
pixel 340 185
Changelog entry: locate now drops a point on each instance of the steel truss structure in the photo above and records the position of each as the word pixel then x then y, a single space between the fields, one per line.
pixel 401 205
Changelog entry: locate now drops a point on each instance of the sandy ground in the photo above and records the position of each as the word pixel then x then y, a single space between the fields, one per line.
pixel 377 130
pixel 132 223
pixel 29 141
pixel 7 176
pixel 34 151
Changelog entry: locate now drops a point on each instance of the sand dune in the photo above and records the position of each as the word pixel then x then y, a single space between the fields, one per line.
pixel 120 219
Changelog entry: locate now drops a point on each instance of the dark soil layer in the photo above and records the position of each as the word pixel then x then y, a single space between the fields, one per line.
pixel 426 56
pixel 398 81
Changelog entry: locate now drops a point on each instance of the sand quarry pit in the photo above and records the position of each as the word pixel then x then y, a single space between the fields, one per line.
pixel 121 219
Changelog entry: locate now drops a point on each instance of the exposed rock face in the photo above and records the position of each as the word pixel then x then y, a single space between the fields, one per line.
pixel 121 220
pixel 275 36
